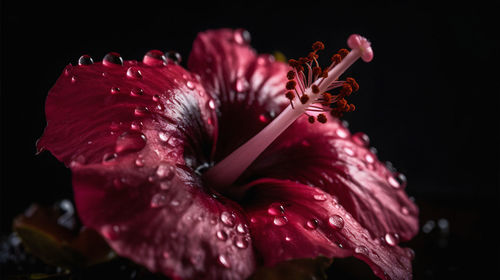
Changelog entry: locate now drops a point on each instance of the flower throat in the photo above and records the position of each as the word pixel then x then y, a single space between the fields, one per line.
pixel 308 94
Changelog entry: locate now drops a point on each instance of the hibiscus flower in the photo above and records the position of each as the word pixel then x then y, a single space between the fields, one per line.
pixel 152 145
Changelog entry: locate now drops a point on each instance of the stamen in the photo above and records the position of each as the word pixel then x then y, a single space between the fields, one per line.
pixel 310 92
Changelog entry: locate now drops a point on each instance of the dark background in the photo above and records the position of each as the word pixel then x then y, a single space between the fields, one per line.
pixel 427 100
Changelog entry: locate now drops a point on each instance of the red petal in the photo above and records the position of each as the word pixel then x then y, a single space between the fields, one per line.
pixel 290 220
pixel 249 88
pixel 328 157
pixel 132 152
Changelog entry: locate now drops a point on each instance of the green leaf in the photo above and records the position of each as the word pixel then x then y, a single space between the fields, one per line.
pixel 298 269
pixel 57 245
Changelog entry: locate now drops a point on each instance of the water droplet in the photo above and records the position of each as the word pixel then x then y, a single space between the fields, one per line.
pixel 165 172
pixel 410 253
pixel 136 125
pixel 67 70
pixel 362 250
pixel 154 58
pixel 109 157
pixel 241 242
pixel 405 210
pixel 341 132
pixel 361 139
pixel 263 118
pixel 253 220
pixel 158 200
pixel 349 151
pixel 287 238
pixel 221 235
pixel 312 224
pixel 392 239
pixel 137 92
pixel 190 85
pixel 211 104
pixel 369 158
pixel 280 220
pixel 227 219
pixel 74 79
pixel 173 57
pixel 175 203
pixel 163 136
pixel 134 73
pixel 139 162
pixel 141 111
pixel 336 222
pixel 224 261
pixel 112 59
pixel 276 209
pixel 241 85
pixel 241 36
pixel 393 182
pixel 401 178
pixel 156 98
pixel 85 60
pixel 241 229
pixel 115 90
pixel 110 232
pixel 320 197
pixel 130 142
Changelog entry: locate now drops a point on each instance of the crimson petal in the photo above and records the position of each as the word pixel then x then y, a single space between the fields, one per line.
pixel 133 135
pixel 249 88
pixel 328 157
pixel 290 220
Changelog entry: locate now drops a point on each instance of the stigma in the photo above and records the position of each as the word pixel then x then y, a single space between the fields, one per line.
pixel 312 92
pixel 316 91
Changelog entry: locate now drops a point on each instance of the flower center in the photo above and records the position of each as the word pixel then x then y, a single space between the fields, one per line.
pixel 307 93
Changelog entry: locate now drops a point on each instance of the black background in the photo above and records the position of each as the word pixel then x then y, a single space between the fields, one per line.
pixel 428 100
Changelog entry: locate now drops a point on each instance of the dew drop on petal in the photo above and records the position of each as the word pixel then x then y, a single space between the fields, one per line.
pixel 74 79
pixel 224 261
pixel 141 111
pixel 241 242
pixel 241 36
pixel 391 238
pixel 241 85
pixel 369 158
pixel 405 210
pixel 139 162
pixel 336 222
pixel 263 118
pixel 362 250
pixel 112 59
pixel 154 58
pixel 312 224
pixel 393 182
pixel 109 157
pixel 241 229
pixel 111 232
pixel 361 139
pixel 173 57
pixel 190 85
pixel 221 235
pixel 130 142
pixel 287 238
pixel 227 219
pixel 156 98
pixel 350 152
pixel 134 73
pixel 276 209
pixel 136 125
pixel 341 132
pixel 401 178
pixel 320 197
pixel 211 104
pixel 85 60
pixel 165 172
pixel 137 92
pixel 280 220
pixel 158 200
pixel 115 90
pixel 410 253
